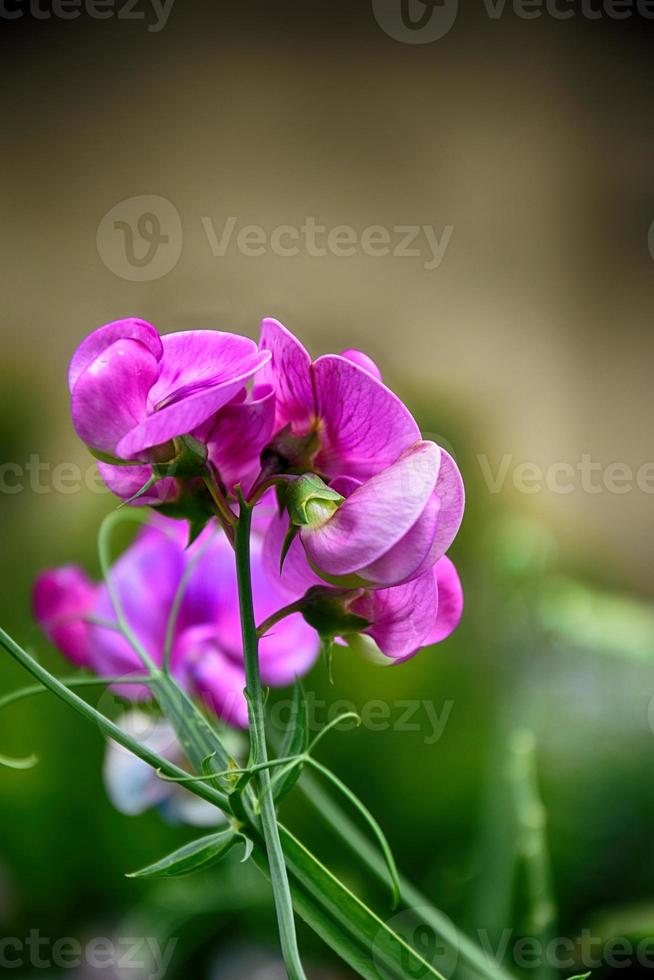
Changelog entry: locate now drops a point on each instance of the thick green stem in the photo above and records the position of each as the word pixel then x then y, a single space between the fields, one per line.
pixel 254 692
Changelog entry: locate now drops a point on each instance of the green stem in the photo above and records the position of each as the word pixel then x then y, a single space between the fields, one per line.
pixel 254 693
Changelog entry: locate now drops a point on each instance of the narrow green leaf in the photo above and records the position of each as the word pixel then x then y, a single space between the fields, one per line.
pixel 199 854
pixel 296 740
pixel 344 922
pixel 580 976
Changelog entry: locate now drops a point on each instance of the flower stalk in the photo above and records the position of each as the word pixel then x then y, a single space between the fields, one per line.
pixel 259 751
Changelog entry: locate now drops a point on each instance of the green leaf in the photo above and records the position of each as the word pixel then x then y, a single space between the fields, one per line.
pixel 199 854
pixel 296 740
pixel 343 921
pixel 580 976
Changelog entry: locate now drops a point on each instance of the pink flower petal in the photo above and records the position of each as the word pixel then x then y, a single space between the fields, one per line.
pixel 450 490
pixel 450 601
pixel 289 372
pixel 365 362
pixel 376 516
pixel 238 436
pixel 110 396
pixel 187 411
pixel 410 556
pixel 98 341
pixel 402 616
pixel 365 427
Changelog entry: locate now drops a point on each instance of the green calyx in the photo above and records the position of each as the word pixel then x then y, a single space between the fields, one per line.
pixel 189 459
pixel 310 502
pixel 184 456
pixel 328 611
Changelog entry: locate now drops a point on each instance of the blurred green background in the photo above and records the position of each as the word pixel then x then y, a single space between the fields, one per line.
pixel 530 342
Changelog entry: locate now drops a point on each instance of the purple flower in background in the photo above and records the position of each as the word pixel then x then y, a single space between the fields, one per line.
pixel 352 423
pixel 206 653
pixel 62 599
pixel 132 390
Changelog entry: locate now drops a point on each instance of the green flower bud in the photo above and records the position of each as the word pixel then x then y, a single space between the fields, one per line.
pixel 311 502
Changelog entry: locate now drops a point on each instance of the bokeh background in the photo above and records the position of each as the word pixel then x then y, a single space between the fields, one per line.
pixel 525 143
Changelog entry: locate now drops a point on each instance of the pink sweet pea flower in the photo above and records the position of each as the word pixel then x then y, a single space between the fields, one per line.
pixel 358 425
pixel 132 390
pixel 206 651
pixel 391 528
pixel 401 619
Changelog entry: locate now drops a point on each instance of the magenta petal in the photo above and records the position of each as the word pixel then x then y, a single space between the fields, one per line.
pixel 365 426
pixel 451 492
pixel 365 362
pixel 240 433
pixel 194 359
pixel 62 598
pixel 450 601
pixel 125 481
pixel 406 559
pixel 376 516
pixel 110 396
pixel 449 496
pixel 98 341
pixel 289 372
pixel 186 413
pixel 402 616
